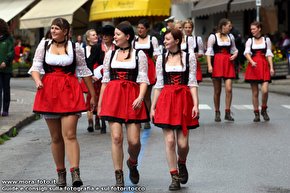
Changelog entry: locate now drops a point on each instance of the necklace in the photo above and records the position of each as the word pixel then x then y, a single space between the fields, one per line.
pixel 142 37
pixel 57 43
pixel 174 53
pixel 258 37
pixel 124 49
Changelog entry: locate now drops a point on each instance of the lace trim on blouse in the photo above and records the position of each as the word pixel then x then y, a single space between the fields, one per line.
pixel 258 46
pixel 142 70
pixel 61 60
pixel 192 70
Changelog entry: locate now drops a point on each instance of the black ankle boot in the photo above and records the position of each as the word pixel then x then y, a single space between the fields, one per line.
pixel 265 114
pixel 257 116
pixel 228 116
pixel 76 178
pixel 119 178
pixel 103 128
pixel 175 183
pixel 217 116
pixel 91 126
pixel 61 178
pixel 134 173
pixel 183 173
pixel 97 124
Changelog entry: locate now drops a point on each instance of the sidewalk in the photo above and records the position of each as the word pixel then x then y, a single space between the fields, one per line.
pixel 21 103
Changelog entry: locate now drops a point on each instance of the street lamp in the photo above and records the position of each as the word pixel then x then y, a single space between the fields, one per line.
pixel 258 5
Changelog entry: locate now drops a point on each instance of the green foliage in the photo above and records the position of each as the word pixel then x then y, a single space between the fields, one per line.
pixel 1 141
pixel 5 137
pixel 14 132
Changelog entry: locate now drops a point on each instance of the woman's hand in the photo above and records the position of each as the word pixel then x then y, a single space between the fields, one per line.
pixel 93 103
pixel 2 65
pixel 254 64
pixel 137 103
pixel 272 71
pixel 195 112
pixel 234 56
pixel 38 84
pixel 209 68
pixel 152 114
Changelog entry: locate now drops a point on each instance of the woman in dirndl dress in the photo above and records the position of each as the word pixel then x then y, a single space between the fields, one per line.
pixel 260 68
pixel 149 45
pixel 221 47
pixel 59 96
pixel 198 47
pixel 121 99
pixel 175 104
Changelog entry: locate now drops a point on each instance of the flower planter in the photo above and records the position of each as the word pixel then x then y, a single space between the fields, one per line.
pixel 281 69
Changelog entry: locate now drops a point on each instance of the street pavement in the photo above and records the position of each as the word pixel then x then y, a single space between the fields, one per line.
pixel 21 103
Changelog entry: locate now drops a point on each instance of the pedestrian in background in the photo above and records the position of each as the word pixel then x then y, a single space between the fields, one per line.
pixel 175 104
pixel 259 69
pixel 97 56
pixel 6 58
pixel 91 40
pixel 59 97
pixel 149 45
pixel 221 48
pixel 197 46
pixel 121 100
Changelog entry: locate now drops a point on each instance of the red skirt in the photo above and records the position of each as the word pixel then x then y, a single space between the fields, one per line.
pixel 84 86
pixel 97 87
pixel 174 108
pixel 260 73
pixel 61 94
pixel 198 72
pixel 151 71
pixel 223 67
pixel 117 101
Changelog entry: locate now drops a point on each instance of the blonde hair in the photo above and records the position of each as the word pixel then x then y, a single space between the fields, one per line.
pixel 88 34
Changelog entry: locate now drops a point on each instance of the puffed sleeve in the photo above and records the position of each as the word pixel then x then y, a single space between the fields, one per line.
pixel 210 43
pixel 190 44
pixel 200 45
pixel 106 67
pixel 234 49
pixel 192 71
pixel 81 67
pixel 248 47
pixel 37 64
pixel 156 49
pixel 269 47
pixel 143 68
pixel 159 73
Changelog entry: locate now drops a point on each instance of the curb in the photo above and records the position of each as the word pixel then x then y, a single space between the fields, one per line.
pixel 19 125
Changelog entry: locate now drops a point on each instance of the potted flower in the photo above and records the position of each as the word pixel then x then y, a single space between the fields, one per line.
pixel 280 63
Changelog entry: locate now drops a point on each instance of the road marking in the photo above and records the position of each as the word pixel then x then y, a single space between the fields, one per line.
pixel 243 107
pixel 286 106
pixel 204 107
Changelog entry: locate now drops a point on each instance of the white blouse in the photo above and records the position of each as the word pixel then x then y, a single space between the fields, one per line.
pixel 190 44
pixel 199 43
pixel 59 60
pixel 156 49
pixel 192 70
pixel 211 42
pixel 142 76
pixel 259 46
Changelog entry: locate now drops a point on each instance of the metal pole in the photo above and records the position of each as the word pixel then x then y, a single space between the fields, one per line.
pixel 258 13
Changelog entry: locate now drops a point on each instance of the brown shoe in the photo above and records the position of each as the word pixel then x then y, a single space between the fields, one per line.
pixel 76 179
pixel 265 115
pixel 61 178
pixel 134 174
pixel 228 116
pixel 217 116
pixel 183 173
pixel 175 183
pixel 119 178
pixel 257 116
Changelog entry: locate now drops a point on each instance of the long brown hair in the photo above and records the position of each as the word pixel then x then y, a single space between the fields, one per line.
pixel 177 35
pixel 222 22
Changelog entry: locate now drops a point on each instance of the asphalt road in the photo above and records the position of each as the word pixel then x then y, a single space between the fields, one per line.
pixel 239 157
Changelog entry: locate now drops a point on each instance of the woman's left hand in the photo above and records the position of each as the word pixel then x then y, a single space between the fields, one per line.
pixel 272 72
pixel 137 103
pixel 233 56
